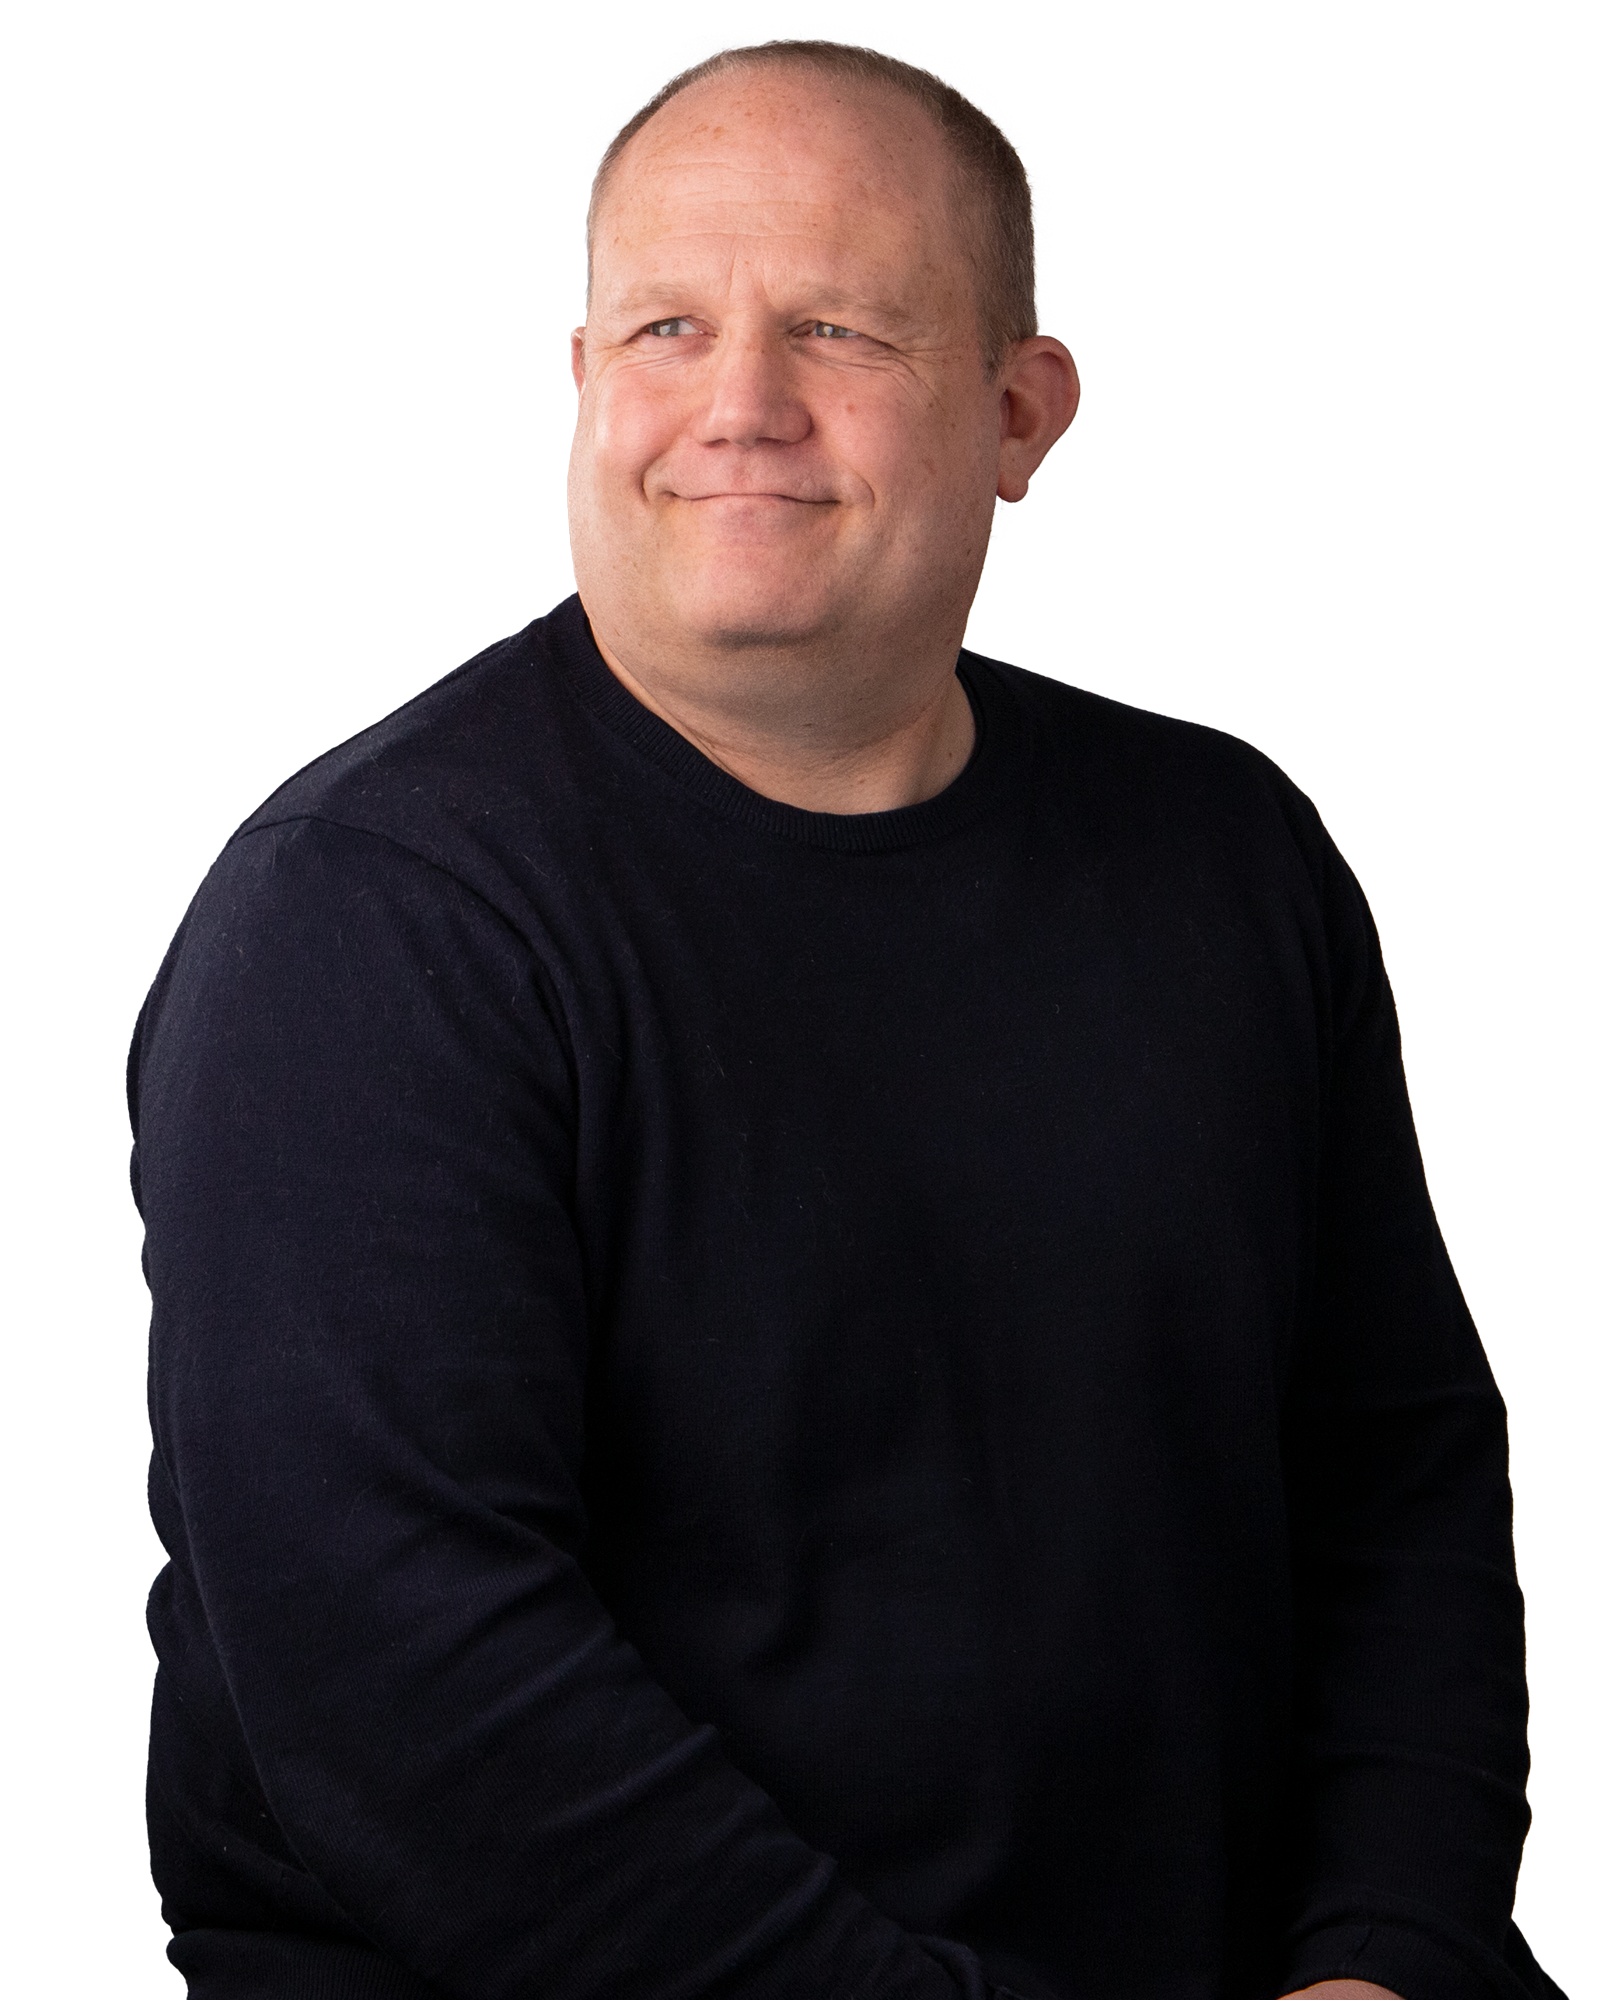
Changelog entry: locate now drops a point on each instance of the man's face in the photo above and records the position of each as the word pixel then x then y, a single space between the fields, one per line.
pixel 785 430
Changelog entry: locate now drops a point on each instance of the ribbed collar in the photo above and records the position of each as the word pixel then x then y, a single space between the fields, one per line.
pixel 990 774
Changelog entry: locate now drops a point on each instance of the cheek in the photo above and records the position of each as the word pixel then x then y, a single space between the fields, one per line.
pixel 923 459
pixel 883 439
pixel 625 425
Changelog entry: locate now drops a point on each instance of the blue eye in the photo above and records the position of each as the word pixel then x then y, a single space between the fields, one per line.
pixel 825 330
pixel 669 329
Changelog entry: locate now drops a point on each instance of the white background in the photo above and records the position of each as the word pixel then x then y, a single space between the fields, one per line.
pixel 277 335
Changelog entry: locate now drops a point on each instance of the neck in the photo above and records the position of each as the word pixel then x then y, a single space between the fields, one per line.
pixel 842 741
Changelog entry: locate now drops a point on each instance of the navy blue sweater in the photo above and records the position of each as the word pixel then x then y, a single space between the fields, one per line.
pixel 758 1405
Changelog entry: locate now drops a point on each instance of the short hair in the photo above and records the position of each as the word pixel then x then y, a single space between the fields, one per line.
pixel 990 179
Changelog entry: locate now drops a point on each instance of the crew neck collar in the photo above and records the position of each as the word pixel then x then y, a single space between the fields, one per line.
pixel 980 784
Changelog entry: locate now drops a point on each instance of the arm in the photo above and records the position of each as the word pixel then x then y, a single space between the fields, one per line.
pixel 356 1125
pixel 1409 1815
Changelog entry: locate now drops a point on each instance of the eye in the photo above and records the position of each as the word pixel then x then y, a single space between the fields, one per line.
pixel 826 330
pixel 669 329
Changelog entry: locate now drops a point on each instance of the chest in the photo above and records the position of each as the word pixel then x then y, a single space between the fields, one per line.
pixel 869 1149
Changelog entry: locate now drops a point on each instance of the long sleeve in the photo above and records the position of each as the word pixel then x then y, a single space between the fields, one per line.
pixel 355 1114
pixel 1411 1700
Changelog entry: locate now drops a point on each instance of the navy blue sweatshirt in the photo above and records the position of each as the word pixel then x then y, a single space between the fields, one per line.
pixel 762 1405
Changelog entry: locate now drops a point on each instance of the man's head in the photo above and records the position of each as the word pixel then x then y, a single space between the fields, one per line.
pixel 807 372
pixel 992 201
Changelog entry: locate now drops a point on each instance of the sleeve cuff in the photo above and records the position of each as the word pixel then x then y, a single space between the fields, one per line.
pixel 1410 1962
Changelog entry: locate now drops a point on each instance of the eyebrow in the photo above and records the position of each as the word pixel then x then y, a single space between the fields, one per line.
pixel 834 308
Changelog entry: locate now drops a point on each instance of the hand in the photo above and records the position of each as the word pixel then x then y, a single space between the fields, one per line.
pixel 1343 1989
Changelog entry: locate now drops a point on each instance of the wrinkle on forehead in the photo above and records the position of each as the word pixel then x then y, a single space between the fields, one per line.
pixel 707 197
pixel 715 208
pixel 829 179
pixel 822 233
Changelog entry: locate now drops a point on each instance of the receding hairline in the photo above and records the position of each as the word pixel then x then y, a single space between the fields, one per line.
pixel 838 85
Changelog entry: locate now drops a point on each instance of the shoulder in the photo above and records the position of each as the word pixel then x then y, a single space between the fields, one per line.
pixel 1189 818
pixel 419 841
pixel 486 742
pixel 489 784
pixel 1150 776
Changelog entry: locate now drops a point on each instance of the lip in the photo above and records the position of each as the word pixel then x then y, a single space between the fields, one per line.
pixel 787 499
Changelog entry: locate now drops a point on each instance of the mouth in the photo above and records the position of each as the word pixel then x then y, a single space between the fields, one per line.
pixel 754 499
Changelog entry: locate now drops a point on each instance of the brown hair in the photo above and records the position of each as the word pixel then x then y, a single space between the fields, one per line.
pixel 989 176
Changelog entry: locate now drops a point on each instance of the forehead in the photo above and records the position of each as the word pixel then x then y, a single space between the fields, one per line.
pixel 807 164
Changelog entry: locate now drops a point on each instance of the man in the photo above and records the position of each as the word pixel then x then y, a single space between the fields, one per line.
pixel 799 1348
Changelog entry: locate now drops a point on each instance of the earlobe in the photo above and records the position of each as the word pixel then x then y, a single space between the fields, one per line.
pixel 577 357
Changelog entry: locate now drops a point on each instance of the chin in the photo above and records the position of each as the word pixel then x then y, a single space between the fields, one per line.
pixel 748 612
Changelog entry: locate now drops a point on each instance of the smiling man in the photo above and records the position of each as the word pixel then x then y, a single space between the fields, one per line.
pixel 804 379
pixel 799 1350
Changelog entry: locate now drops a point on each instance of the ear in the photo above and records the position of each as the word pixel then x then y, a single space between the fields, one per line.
pixel 577 357
pixel 1039 398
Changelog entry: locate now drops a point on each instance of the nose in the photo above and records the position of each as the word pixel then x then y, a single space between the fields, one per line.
pixel 754 395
